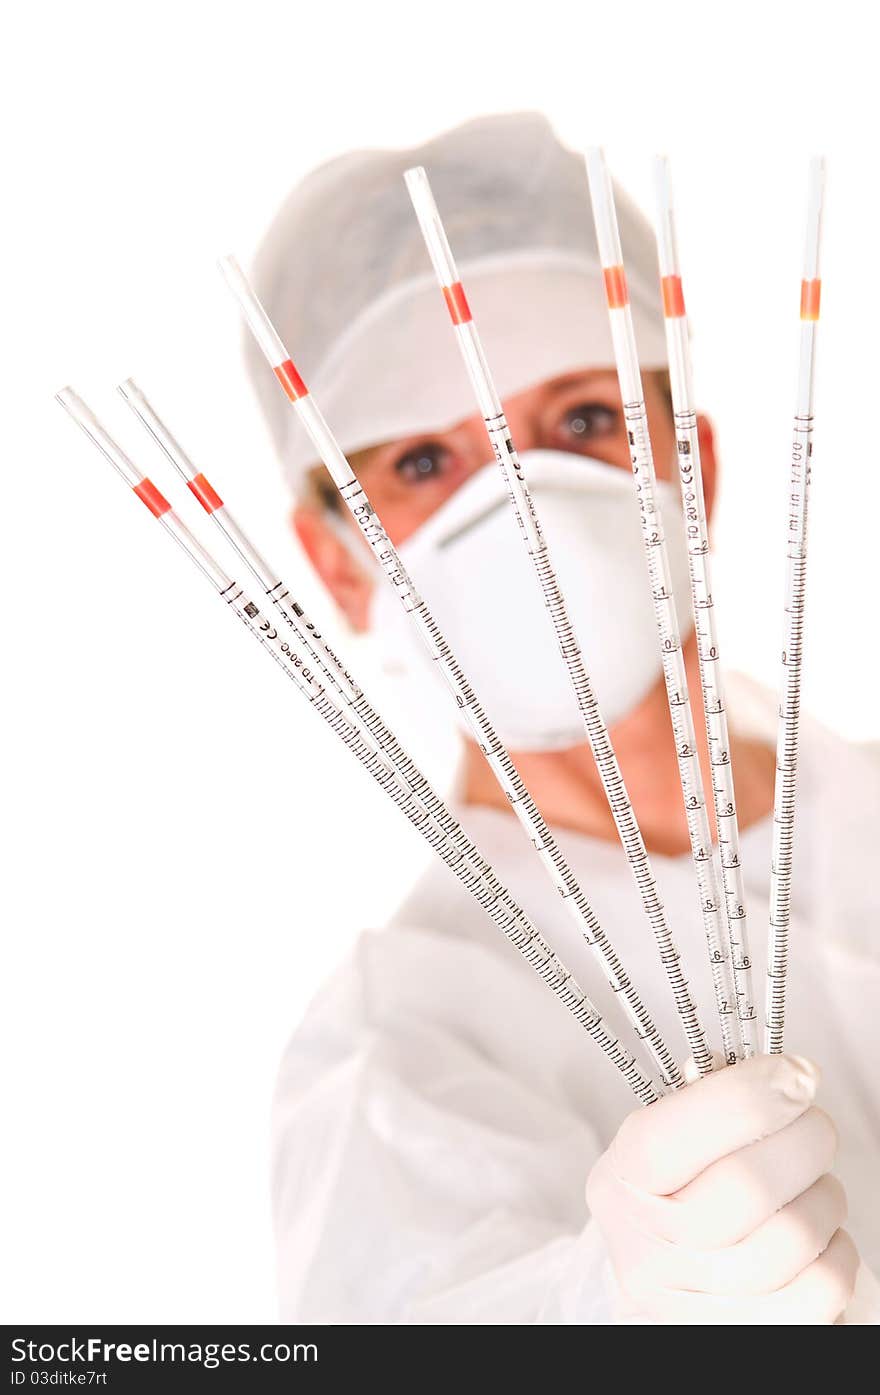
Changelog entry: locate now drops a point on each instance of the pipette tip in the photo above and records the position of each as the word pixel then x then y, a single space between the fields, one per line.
pixel 663 180
pixel 595 158
pixel 68 398
pixel 415 176
pixel 419 190
pixel 228 262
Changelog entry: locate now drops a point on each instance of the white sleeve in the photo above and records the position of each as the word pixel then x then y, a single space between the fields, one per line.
pixel 415 1180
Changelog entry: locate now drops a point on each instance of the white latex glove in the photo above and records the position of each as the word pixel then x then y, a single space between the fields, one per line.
pixel 717 1206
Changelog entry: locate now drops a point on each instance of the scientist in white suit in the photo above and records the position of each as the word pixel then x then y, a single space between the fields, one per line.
pixel 448 1148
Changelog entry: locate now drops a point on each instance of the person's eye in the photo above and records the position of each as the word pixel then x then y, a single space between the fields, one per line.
pixel 426 462
pixel 589 421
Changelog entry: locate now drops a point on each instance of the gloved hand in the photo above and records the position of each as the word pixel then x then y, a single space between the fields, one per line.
pixel 717 1205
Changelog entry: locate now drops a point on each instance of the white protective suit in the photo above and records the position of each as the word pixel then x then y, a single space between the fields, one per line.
pixel 438 1112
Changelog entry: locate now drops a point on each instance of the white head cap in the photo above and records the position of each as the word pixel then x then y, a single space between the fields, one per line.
pixel 344 274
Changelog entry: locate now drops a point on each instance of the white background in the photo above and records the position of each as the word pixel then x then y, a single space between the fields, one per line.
pixel 175 899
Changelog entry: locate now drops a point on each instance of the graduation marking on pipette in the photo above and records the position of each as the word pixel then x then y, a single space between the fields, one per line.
pixel 788 731
pixel 690 472
pixel 496 754
pixel 674 671
pixel 403 771
pixel 513 923
pixel 526 514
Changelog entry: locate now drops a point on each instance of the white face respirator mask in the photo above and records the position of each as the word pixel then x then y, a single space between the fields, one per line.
pixel 469 563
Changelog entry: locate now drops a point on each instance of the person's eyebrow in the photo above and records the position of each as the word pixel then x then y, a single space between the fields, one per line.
pixel 585 377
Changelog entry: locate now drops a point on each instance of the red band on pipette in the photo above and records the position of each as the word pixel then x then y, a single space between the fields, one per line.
pixel 615 287
pixel 811 293
pixel 149 495
pixel 290 380
pixel 205 493
pixel 456 301
pixel 673 297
